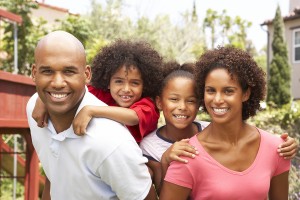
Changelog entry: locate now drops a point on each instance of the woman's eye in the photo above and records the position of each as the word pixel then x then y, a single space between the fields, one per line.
pixel 118 81
pixel 228 92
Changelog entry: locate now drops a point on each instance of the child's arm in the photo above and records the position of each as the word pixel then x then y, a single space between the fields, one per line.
pixel 40 114
pixel 123 115
pixel 173 153
pixel 288 149
pixel 155 168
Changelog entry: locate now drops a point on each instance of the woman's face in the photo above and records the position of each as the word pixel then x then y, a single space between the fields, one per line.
pixel 223 96
pixel 178 102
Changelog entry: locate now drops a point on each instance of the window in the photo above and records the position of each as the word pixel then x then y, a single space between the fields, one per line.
pixel 296 45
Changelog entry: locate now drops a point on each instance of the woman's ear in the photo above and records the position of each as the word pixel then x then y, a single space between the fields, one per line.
pixel 158 102
pixel 246 95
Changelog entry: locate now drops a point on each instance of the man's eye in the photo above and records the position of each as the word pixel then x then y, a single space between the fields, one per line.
pixel 69 72
pixel 46 71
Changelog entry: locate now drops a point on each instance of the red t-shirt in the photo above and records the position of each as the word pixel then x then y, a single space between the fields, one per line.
pixel 145 109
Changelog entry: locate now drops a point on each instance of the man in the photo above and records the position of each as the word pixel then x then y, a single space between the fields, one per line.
pixel 106 163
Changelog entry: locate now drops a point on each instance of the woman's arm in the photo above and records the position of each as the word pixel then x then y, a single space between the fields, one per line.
pixel 279 187
pixel 171 191
pixel 123 115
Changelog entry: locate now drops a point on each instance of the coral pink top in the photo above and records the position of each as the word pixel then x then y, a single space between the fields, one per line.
pixel 208 179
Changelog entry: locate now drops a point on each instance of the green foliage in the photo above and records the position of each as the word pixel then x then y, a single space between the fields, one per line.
pixel 78 26
pixel 280 120
pixel 225 30
pixel 22 8
pixel 279 83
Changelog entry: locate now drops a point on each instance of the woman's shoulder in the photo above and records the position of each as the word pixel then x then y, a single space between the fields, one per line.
pixel 269 138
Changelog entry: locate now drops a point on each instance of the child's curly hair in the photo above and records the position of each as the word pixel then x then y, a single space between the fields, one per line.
pixel 126 53
pixel 239 64
pixel 173 69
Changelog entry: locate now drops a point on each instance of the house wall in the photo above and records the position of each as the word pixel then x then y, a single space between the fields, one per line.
pixel 295 67
pixel 49 14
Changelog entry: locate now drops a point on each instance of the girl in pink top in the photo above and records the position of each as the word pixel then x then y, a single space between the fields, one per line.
pixel 235 160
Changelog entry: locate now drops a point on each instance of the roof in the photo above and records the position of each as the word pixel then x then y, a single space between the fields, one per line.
pixel 10 16
pixel 60 9
pixel 53 7
pixel 293 15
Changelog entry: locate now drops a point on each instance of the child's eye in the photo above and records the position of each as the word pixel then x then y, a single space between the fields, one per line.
pixel 118 81
pixel 209 90
pixel 191 101
pixel 136 83
pixel 173 99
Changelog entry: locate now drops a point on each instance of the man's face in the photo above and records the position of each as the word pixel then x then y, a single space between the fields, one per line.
pixel 60 75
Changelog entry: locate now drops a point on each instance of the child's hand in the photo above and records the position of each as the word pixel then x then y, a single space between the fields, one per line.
pixel 82 120
pixel 288 149
pixel 181 148
pixel 40 114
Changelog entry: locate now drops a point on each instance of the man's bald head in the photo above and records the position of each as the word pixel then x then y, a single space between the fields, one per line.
pixel 59 40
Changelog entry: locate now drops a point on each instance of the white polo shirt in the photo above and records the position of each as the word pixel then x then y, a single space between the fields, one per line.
pixel 106 163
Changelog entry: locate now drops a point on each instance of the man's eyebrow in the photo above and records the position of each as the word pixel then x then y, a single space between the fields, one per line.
pixel 71 67
pixel 44 67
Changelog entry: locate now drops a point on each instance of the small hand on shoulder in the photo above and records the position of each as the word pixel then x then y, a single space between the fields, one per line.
pixel 288 148
pixel 178 149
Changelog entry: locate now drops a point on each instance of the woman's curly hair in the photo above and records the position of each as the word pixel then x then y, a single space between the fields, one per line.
pixel 239 64
pixel 127 53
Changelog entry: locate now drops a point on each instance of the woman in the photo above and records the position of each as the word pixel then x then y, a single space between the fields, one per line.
pixel 235 160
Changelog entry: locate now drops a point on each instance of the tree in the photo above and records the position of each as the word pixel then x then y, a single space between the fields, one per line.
pixel 77 26
pixel 279 83
pixel 22 8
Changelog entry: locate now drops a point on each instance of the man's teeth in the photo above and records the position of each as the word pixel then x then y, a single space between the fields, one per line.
pixel 220 110
pixel 58 96
pixel 181 116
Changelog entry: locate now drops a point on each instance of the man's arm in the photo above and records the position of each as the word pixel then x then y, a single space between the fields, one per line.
pixel 46 191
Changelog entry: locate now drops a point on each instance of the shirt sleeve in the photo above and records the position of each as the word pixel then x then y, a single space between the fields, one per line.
pixel 129 176
pixel 148 118
pixel 282 166
pixel 104 96
pixel 178 173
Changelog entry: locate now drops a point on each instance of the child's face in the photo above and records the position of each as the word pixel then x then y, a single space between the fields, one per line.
pixel 179 102
pixel 223 96
pixel 126 86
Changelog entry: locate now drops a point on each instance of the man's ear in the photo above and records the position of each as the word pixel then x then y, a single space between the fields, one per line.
pixel 246 95
pixel 158 102
pixel 88 74
pixel 33 72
